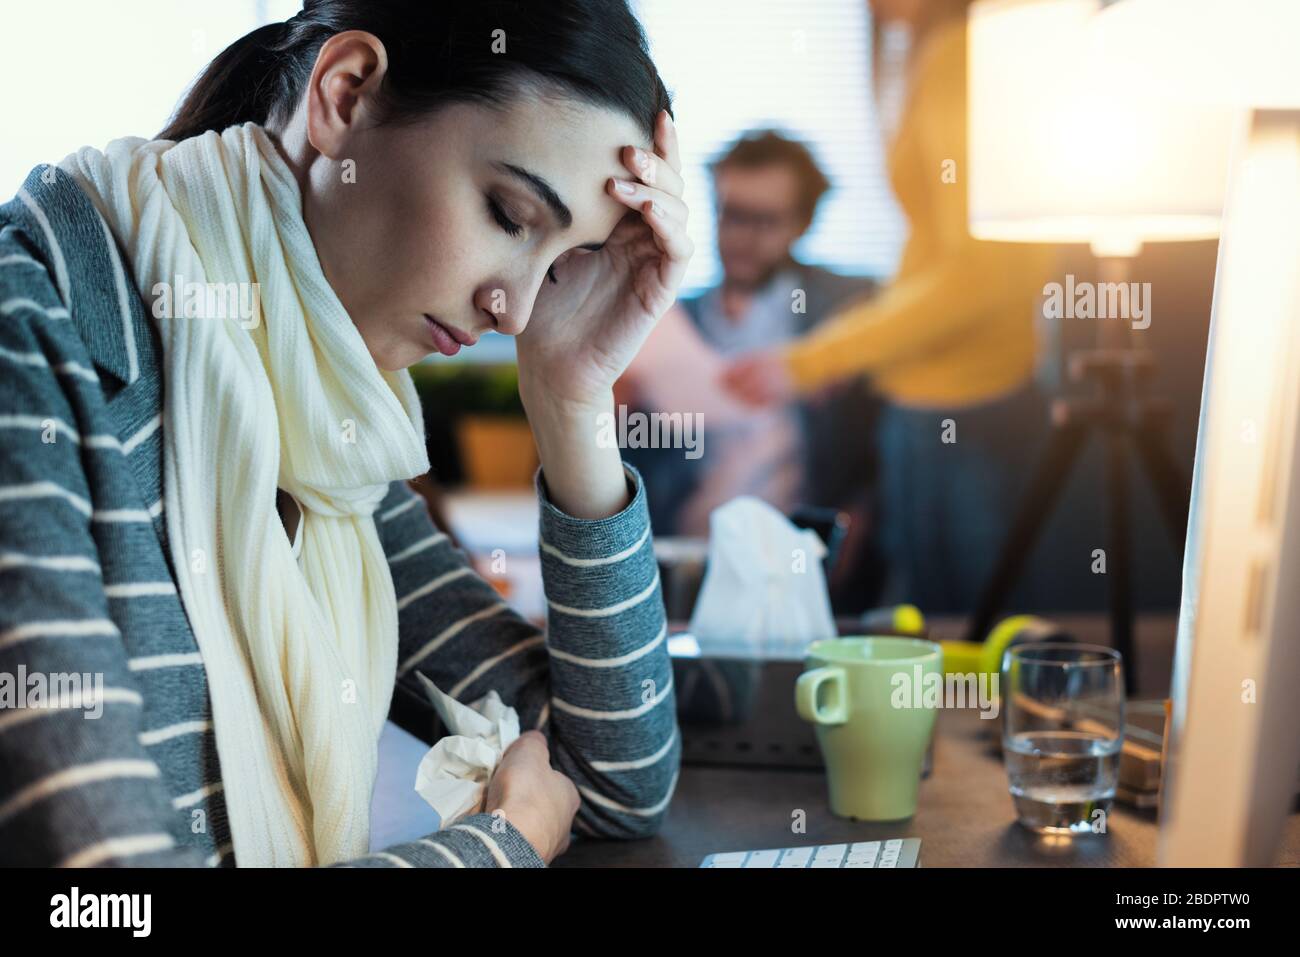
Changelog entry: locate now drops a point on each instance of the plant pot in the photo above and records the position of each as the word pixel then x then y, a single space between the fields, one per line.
pixel 496 451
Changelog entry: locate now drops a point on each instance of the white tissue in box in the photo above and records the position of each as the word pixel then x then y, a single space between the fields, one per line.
pixel 454 775
pixel 763 589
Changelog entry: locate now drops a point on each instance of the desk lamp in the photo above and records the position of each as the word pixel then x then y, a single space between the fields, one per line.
pixel 1065 146
pixel 1234 734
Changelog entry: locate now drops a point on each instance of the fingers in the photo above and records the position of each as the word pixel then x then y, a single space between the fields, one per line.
pixel 657 194
pixel 634 195
pixel 750 395
pixel 653 170
pixel 746 380
pixel 666 141
pixel 670 234
pixel 734 378
pixel 531 742
pixel 666 216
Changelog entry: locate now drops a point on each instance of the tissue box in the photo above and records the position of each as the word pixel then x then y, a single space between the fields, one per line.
pixel 736 706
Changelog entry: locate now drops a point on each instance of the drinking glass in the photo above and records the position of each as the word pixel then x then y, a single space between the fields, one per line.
pixel 1063 729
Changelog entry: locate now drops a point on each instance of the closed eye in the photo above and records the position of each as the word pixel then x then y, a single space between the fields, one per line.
pixel 513 228
pixel 550 270
pixel 499 214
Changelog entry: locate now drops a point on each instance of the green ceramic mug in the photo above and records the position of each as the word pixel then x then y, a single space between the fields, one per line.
pixel 872 729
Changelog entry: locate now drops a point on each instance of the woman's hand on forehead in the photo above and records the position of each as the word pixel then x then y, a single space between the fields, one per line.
pixel 586 328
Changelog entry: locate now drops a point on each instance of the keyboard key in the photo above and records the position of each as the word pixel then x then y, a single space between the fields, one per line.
pixel 859 855
pixel 799 856
pixel 864 851
pixel 830 852
pixel 733 859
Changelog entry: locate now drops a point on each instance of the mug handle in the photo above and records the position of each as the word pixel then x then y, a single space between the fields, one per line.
pixel 805 696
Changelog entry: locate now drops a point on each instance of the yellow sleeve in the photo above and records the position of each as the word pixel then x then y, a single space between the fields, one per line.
pixel 960 279
pixel 909 318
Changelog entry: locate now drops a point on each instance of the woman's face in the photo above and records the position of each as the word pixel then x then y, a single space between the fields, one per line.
pixel 456 218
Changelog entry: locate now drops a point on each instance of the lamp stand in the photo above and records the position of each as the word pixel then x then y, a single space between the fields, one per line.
pixel 1123 414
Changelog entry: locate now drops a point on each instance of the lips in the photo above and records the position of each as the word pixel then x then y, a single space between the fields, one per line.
pixel 447 339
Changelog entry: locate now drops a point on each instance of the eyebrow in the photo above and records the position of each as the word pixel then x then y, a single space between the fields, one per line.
pixel 546 194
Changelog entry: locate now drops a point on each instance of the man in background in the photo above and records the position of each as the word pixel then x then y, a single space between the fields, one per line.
pixel 812 451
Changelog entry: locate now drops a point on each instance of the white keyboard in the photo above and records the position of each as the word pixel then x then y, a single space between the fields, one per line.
pixel 899 852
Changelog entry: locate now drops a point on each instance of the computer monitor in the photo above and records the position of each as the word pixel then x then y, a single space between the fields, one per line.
pixel 1235 725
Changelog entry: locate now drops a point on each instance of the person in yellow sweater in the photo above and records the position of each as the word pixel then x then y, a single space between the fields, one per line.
pixel 949 343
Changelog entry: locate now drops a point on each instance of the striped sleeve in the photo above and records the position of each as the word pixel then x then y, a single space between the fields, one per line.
pixel 597 683
pixel 77 787
pixel 480 840
pixel 613 714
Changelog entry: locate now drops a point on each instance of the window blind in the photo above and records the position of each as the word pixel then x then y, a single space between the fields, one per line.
pixel 799 66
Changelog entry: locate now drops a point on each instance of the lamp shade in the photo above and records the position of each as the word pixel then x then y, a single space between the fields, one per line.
pixel 1239 52
pixel 1068 143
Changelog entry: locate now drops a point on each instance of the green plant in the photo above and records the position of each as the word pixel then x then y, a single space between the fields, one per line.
pixel 455 389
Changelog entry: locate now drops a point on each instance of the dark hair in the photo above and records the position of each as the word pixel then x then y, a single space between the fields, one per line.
pixel 769 148
pixel 439 52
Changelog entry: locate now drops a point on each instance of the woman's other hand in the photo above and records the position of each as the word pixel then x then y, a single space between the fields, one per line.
pixel 586 328
pixel 759 378
pixel 537 799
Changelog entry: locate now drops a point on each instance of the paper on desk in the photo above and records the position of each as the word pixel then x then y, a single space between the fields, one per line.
pixel 454 775
pixel 676 370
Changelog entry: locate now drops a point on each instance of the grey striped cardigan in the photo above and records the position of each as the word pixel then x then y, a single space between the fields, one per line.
pixel 86 589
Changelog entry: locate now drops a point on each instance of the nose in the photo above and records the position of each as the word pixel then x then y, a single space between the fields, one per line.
pixel 506 308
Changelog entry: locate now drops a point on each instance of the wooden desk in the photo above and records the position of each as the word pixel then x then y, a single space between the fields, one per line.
pixel 964 815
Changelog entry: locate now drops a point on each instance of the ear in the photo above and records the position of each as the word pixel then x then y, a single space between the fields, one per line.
pixel 343 92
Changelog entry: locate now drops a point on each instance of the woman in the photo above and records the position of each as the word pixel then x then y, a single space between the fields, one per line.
pixel 238 554
pixel 949 343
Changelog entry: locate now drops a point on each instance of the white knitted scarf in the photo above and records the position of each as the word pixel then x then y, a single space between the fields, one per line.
pixel 300 655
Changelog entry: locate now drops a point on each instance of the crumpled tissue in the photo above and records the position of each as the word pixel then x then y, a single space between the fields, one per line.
pixel 454 775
